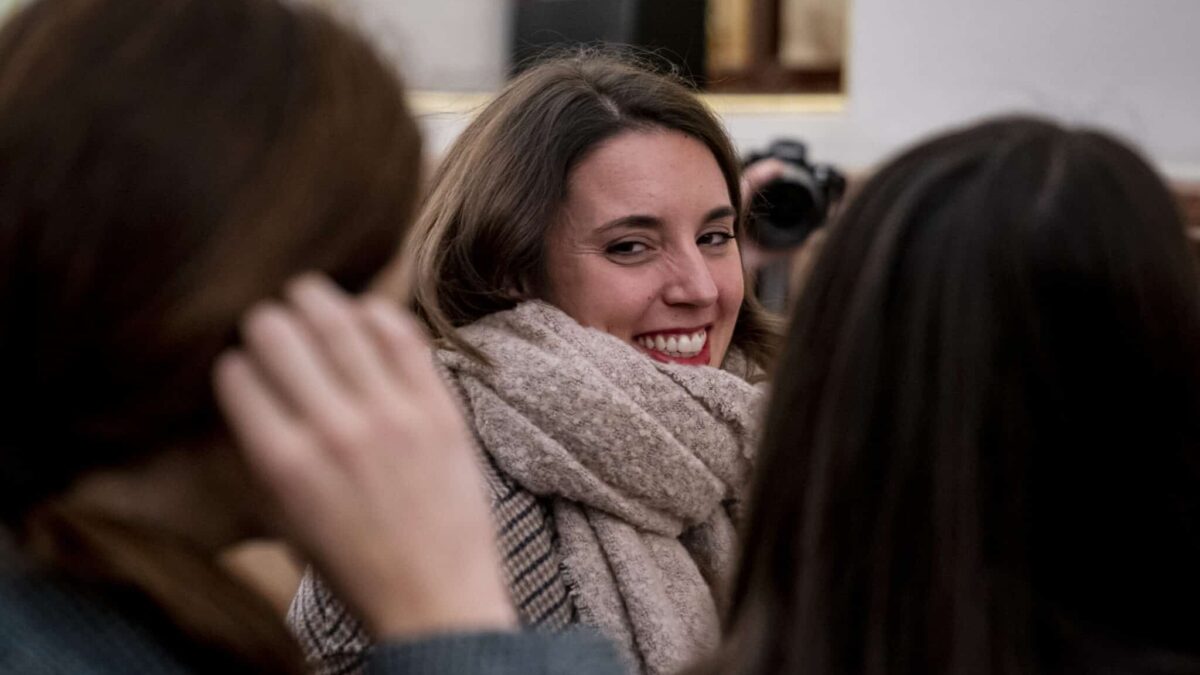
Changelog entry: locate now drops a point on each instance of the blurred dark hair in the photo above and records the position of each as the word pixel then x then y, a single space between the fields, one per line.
pixel 164 164
pixel 167 163
pixel 481 234
pixel 983 449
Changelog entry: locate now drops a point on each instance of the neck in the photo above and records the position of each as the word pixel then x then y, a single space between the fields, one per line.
pixel 201 495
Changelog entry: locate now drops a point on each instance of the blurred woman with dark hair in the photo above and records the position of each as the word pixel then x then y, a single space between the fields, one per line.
pixel 983 450
pixel 165 165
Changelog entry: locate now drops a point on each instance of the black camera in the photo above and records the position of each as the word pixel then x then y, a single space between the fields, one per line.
pixel 789 208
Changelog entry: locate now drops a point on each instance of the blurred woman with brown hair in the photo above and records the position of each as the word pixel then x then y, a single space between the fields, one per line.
pixel 164 166
pixel 982 454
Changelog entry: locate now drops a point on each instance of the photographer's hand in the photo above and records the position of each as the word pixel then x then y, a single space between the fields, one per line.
pixel 759 174
pixel 754 178
pixel 342 415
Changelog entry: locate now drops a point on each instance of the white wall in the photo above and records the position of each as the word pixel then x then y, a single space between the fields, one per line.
pixel 914 66
pixel 457 45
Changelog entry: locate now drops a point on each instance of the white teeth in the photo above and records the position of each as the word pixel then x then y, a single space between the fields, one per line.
pixel 684 346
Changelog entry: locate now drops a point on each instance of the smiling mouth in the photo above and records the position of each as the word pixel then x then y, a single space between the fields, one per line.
pixel 688 347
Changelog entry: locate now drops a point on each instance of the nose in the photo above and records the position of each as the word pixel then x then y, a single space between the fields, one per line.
pixel 690 281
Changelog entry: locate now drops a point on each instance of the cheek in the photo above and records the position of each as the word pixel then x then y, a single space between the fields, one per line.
pixel 606 297
pixel 732 286
pixel 626 295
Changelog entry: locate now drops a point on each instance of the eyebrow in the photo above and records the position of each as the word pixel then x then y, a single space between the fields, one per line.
pixel 653 222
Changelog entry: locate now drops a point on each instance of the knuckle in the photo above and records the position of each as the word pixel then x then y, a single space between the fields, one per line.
pixel 288 457
pixel 346 431
pixel 262 323
pixel 343 349
pixel 394 418
pixel 333 323
pixel 401 424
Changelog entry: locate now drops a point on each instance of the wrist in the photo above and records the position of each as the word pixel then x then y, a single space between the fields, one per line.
pixel 405 620
pixel 477 605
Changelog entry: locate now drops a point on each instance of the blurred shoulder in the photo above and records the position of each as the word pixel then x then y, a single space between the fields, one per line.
pixel 47 626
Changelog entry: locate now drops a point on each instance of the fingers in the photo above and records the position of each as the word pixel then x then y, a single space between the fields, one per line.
pixel 285 351
pixel 336 323
pixel 258 418
pixel 404 347
pixel 332 359
pixel 283 455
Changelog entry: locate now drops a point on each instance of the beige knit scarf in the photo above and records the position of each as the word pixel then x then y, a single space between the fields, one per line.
pixel 641 460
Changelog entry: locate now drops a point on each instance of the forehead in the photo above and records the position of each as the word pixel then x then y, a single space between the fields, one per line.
pixel 649 172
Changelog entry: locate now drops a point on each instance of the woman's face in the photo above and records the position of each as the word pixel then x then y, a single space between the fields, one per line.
pixel 644 249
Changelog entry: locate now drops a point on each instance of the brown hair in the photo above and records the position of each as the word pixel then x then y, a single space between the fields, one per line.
pixel 167 163
pixel 982 453
pixel 478 243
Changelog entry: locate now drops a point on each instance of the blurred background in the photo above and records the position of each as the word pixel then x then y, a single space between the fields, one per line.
pixel 747 46
pixel 900 69
pixel 855 79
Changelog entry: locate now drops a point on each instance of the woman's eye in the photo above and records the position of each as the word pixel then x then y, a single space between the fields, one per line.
pixel 715 239
pixel 626 248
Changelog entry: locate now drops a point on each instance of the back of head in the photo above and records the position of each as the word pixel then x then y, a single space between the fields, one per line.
pixel 983 451
pixel 165 164
pixel 478 244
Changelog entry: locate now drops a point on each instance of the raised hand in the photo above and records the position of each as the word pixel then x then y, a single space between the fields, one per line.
pixel 343 417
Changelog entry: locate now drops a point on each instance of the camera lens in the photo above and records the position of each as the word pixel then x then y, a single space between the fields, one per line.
pixel 789 208
pixel 785 212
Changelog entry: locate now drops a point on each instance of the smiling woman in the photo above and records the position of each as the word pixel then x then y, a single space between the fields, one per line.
pixel 577 258
pixel 563 149
pixel 645 249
